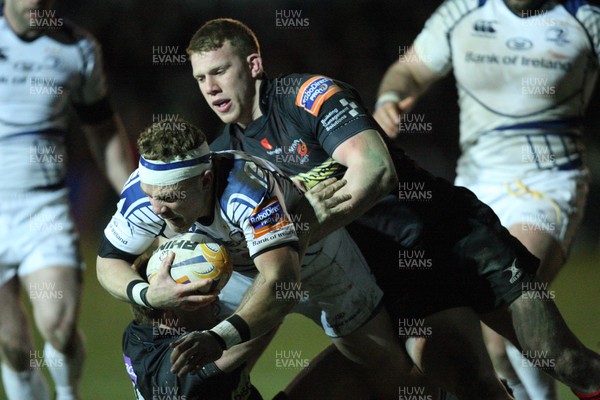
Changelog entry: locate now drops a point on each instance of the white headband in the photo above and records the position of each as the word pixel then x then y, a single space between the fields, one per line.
pixel 160 173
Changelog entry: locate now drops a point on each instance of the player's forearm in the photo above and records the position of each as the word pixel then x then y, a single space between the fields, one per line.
pixel 269 303
pixel 398 79
pixel 366 186
pixel 245 353
pixel 275 291
pixel 119 160
pixel 369 178
pixel 110 147
pixel 114 275
pixel 408 77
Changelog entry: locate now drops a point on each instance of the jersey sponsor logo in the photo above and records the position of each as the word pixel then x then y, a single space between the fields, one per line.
pixel 519 44
pixel 315 92
pixel 129 367
pixel 484 26
pixel 114 229
pixel 349 109
pixel 267 218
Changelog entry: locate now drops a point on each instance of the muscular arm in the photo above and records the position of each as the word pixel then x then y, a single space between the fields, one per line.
pixel 269 300
pixel 262 309
pixel 244 353
pixel 115 275
pixel 370 176
pixel 408 78
pixel 110 147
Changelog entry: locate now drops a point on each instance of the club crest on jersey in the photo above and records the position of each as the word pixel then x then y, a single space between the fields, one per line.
pixel 265 143
pixel 314 92
pixel 267 218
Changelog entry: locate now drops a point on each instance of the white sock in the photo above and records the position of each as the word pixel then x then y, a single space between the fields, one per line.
pixel 539 385
pixel 62 369
pixel 25 385
pixel 518 390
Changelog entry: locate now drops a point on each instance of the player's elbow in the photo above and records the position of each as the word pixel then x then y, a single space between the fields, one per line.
pixel 390 178
pixel 101 270
pixel 386 177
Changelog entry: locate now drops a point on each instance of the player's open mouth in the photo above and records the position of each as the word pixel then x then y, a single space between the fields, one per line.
pixel 222 105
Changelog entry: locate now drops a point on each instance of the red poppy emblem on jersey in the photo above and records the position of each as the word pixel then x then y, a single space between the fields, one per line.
pixel 302 148
pixel 265 143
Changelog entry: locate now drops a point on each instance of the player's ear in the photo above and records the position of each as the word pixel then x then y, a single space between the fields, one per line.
pixel 206 179
pixel 255 63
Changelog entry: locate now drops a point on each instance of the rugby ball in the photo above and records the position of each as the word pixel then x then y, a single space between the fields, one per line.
pixel 196 257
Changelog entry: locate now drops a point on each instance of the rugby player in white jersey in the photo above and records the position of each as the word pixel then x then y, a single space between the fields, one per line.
pixel 525 71
pixel 47 65
pixel 253 210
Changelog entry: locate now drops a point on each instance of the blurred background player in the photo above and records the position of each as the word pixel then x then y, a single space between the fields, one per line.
pixel 525 71
pixel 47 65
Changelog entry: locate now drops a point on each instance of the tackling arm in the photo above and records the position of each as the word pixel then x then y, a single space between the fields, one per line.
pixel 370 175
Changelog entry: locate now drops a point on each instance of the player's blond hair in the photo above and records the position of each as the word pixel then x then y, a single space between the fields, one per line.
pixel 213 34
pixel 165 141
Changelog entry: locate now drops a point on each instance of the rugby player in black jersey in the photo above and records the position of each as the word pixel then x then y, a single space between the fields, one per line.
pixel 147 350
pixel 313 128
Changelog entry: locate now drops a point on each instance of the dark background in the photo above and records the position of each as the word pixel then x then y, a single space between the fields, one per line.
pixel 354 42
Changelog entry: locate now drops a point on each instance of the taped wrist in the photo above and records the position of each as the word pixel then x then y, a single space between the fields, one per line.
pixel 234 330
pixel 209 370
pixel 388 97
pixel 136 292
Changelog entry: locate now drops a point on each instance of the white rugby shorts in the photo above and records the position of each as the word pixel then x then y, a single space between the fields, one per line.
pixel 36 232
pixel 548 201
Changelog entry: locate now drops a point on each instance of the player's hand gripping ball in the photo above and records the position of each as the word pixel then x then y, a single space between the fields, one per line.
pixel 196 257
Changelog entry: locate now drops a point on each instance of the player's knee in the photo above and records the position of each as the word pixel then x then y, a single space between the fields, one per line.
pixel 15 354
pixel 497 349
pixel 571 365
pixel 58 330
